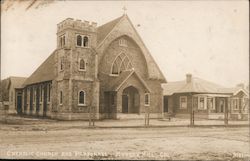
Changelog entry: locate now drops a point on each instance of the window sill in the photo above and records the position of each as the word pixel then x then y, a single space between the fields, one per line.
pixel 82 70
pixel 82 105
pixel 114 75
pixel 87 47
pixel 146 105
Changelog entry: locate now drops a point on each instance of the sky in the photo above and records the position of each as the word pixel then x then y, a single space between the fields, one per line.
pixel 209 39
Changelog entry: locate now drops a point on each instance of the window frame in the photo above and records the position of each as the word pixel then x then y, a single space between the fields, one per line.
pixel 148 102
pixel 122 57
pixel 123 42
pixel 84 96
pixel 62 41
pixel 83 41
pixel 204 103
pixel 85 65
pixel 180 101
pixel 61 65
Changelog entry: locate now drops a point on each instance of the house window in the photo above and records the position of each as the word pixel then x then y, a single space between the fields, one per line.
pixel 183 102
pixel 210 104
pixel 201 103
pixel 85 41
pixel 147 99
pixel 123 42
pixel 121 63
pixel 79 40
pixel 82 65
pixel 222 105
pixel 81 99
pixel 235 103
pixel 61 98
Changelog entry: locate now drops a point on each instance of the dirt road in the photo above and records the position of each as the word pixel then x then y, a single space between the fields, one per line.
pixel 38 141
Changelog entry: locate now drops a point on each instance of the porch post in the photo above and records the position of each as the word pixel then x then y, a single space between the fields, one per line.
pixel 191 111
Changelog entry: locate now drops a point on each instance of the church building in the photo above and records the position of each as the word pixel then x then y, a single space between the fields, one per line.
pixel 107 70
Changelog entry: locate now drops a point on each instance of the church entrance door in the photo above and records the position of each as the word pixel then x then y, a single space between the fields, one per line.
pixel 130 100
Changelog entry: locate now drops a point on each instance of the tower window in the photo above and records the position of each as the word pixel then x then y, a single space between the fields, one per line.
pixel 81 98
pixel 85 41
pixel 62 41
pixel 82 41
pixel 79 40
pixel 82 65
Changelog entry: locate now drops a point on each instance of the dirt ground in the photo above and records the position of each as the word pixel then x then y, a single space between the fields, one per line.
pixel 49 139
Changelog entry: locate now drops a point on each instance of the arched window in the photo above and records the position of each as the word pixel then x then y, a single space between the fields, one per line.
pixel 85 41
pixel 121 63
pixel 147 99
pixel 81 98
pixel 82 65
pixel 79 40
pixel 63 40
pixel 61 64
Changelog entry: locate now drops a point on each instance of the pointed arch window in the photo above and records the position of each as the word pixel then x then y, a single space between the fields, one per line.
pixel 81 98
pixel 120 64
pixel 85 41
pixel 82 65
pixel 82 41
pixel 79 40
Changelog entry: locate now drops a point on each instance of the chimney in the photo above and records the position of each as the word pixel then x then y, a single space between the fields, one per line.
pixel 188 78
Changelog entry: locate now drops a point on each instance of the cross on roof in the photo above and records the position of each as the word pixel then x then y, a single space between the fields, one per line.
pixel 124 9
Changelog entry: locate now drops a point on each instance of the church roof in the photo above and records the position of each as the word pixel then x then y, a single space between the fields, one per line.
pixel 17 82
pixel 197 85
pixel 104 30
pixel 44 72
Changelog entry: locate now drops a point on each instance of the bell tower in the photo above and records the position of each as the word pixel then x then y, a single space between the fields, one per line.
pixel 76 33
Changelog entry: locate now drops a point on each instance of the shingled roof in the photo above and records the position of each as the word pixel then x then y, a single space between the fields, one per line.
pixel 197 85
pixel 44 72
pixel 104 30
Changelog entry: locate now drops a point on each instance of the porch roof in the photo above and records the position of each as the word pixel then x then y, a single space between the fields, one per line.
pixel 115 84
pixel 213 95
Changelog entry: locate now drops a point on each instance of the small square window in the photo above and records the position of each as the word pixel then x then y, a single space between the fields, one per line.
pixel 123 42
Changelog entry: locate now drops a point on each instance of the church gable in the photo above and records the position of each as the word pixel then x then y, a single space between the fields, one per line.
pixel 123 54
pixel 125 27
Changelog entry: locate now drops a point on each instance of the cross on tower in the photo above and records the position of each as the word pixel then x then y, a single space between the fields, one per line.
pixel 124 9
